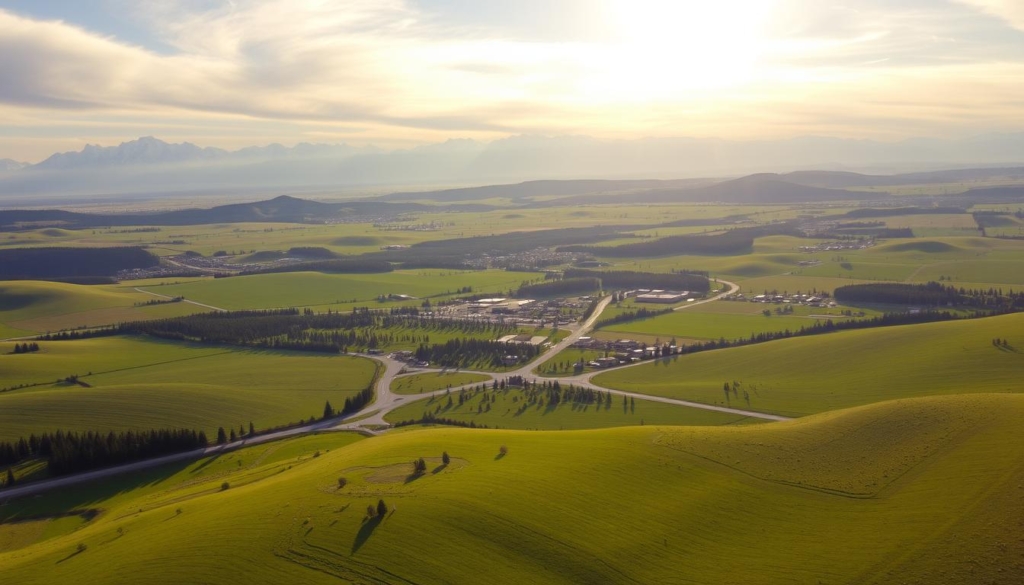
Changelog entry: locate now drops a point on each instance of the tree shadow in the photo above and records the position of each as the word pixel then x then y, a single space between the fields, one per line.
pixel 439 468
pixel 70 556
pixel 413 476
pixel 365 532
pixel 499 456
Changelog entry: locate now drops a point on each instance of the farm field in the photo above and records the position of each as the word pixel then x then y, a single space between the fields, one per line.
pixel 430 381
pixel 340 291
pixel 28 306
pixel 917 485
pixel 800 376
pixel 144 384
pixel 508 410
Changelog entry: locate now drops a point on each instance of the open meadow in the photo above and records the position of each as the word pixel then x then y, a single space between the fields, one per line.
pixel 28 306
pixel 510 409
pixel 136 383
pixel 925 491
pixel 339 291
pixel 804 375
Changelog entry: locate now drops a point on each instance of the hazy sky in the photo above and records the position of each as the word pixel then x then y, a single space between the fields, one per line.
pixel 395 73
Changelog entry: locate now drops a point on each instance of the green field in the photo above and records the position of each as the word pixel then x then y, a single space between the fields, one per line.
pixel 918 491
pixel 804 375
pixel 430 381
pixel 315 289
pixel 28 306
pixel 725 319
pixel 507 410
pixel 144 384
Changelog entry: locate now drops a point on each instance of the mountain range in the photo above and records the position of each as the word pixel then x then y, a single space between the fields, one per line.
pixel 150 165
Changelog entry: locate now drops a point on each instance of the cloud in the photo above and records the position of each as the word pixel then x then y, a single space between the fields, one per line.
pixel 1011 11
pixel 398 71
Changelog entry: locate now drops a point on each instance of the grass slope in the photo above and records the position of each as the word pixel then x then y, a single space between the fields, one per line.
pixel 508 410
pixel 430 381
pixel 141 384
pixel 797 502
pixel 28 306
pixel 300 289
pixel 812 374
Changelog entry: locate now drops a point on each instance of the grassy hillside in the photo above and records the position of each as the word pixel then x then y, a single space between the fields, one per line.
pixel 510 410
pixel 29 306
pixel 824 372
pixel 430 381
pixel 137 383
pixel 299 289
pixel 919 491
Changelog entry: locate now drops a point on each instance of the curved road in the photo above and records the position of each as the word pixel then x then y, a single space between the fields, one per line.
pixel 371 419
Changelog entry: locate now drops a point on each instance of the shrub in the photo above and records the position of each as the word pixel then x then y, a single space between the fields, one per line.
pixel 503 450
pixel 445 458
pixel 342 482
pixel 224 486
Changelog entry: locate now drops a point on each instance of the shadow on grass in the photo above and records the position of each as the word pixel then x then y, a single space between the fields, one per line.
pixel 70 556
pixel 365 532
pixel 499 456
pixel 439 468
pixel 413 476
pixel 208 461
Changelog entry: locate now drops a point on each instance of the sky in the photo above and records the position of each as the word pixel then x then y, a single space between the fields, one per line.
pixel 399 73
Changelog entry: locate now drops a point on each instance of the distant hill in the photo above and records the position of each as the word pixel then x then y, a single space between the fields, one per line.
pixel 541 189
pixel 843 180
pixel 759 188
pixel 279 209
pixel 7 165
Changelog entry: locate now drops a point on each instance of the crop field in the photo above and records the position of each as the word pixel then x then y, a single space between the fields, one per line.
pixel 28 306
pixel 925 490
pixel 507 409
pixel 144 384
pixel 430 381
pixel 339 291
pixel 812 374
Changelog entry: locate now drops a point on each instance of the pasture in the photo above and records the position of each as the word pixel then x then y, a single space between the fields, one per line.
pixel 800 376
pixel 29 306
pixel 509 410
pixel 925 491
pixel 338 291
pixel 136 383
pixel 430 381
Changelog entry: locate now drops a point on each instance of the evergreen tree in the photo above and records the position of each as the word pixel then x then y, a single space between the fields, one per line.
pixel 328 410
pixel 222 437
pixel 10 478
pixel 252 429
pixel 382 509
pixel 234 437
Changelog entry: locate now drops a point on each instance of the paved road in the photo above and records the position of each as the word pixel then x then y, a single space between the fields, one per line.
pixel 371 419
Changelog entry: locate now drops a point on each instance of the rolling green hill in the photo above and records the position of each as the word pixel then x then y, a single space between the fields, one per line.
pixel 804 375
pixel 915 491
pixel 139 383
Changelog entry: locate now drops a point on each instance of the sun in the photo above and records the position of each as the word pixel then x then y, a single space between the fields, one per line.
pixel 662 49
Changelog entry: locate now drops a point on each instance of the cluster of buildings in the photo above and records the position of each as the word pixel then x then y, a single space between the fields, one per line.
pixel 838 245
pixel 623 351
pixel 407 357
pixel 811 300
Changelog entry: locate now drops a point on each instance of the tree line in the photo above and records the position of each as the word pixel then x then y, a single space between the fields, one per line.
pixel 26 347
pixel 560 288
pixel 460 353
pixel 71 452
pixel 72 262
pixel 931 294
